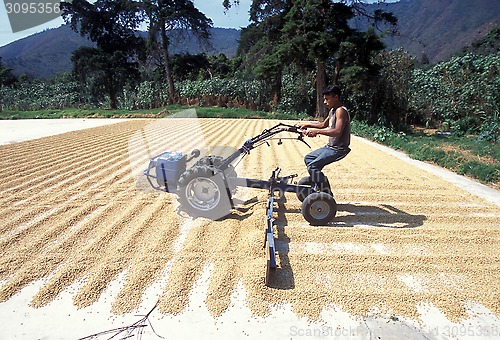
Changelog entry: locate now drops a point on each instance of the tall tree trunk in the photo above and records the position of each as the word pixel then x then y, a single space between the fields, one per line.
pixel 112 101
pixel 276 89
pixel 320 86
pixel 337 73
pixel 113 96
pixel 166 61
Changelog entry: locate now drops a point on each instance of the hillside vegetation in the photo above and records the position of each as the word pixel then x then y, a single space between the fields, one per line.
pixel 430 30
pixel 434 30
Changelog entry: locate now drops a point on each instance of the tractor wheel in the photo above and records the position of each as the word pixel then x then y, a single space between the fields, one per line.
pixel 302 193
pixel 202 192
pixel 319 208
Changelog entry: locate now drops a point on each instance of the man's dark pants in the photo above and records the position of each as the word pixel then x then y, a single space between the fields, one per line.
pixel 318 159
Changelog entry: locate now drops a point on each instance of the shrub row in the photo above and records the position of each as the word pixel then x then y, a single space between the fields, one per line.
pixel 461 95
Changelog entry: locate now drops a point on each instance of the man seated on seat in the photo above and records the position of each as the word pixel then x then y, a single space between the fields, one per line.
pixel 337 127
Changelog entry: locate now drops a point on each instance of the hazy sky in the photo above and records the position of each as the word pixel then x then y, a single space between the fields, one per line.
pixel 236 17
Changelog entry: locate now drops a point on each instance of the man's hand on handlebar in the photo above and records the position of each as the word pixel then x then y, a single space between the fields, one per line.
pixel 307 130
pixel 310 132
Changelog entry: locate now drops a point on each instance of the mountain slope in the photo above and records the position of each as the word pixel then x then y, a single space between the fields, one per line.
pixel 440 28
pixel 434 28
pixel 43 54
pixel 47 53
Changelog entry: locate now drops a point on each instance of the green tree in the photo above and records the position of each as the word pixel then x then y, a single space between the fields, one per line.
pixel 355 66
pixel 115 60
pixel 189 67
pixel 7 78
pixel 259 43
pixel 307 33
pixel 165 16
pixel 222 66
pixel 392 95
pixel 105 72
pixel 313 32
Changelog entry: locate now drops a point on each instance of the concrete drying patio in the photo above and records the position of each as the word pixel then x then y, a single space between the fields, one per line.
pixel 370 211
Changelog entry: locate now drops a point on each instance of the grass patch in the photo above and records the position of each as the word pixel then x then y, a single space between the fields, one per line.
pixel 484 172
pixel 77 113
pixel 463 155
pixel 201 112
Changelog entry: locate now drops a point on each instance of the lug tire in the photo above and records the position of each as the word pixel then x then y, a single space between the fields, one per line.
pixel 202 193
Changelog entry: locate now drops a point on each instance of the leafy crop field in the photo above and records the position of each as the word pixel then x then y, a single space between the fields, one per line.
pixel 72 211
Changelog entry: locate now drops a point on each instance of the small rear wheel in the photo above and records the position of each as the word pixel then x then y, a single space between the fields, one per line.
pixel 202 192
pixel 319 208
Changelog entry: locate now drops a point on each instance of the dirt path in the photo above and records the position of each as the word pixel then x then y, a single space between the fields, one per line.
pixel 71 212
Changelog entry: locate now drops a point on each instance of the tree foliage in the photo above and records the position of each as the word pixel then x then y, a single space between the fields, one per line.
pixel 7 78
pixel 313 32
pixel 105 72
pixel 201 67
pixel 112 25
pixel 462 93
pixel 114 62
pixel 165 16
pixel 308 34
pixel 108 23
pixel 393 90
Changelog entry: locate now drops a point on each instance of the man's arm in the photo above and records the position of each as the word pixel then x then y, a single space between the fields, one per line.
pixel 315 125
pixel 341 121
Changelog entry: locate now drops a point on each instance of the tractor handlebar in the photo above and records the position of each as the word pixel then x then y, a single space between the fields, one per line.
pixel 268 133
pixel 262 138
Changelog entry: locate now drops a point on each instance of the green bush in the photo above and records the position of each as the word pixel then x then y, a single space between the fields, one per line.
pixel 38 94
pixel 490 128
pixel 463 91
pixel 146 95
pixel 484 172
pixel 466 125
pixel 297 95
pixel 233 88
